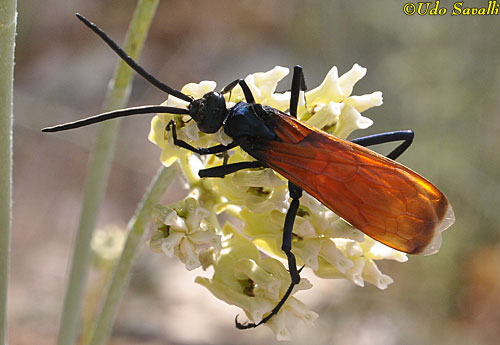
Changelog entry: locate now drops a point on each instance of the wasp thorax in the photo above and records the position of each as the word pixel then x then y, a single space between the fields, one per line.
pixel 209 112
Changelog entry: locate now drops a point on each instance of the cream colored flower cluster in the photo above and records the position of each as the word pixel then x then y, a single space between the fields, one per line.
pixel 258 200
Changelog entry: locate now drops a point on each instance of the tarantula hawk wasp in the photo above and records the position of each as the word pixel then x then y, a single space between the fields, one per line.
pixel 382 198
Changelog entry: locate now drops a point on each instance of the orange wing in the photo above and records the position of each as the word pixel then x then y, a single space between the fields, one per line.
pixel 382 198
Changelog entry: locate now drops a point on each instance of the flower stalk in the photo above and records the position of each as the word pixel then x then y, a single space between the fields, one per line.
pixel 99 168
pixel 8 23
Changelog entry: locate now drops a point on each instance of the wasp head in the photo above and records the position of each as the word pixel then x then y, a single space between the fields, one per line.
pixel 209 112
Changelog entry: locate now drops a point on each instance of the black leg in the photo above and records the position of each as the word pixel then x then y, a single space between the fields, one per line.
pixel 246 90
pixel 298 84
pixel 286 246
pixel 229 87
pixel 223 170
pixel 382 138
pixel 200 151
pixel 295 194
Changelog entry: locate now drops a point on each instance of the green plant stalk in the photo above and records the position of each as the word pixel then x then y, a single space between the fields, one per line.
pixel 121 271
pixel 8 22
pixel 98 172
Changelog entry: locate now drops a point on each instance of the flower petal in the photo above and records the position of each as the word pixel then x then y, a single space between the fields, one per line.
pixel 329 90
pixel 362 103
pixel 349 120
pixel 372 275
pixel 348 79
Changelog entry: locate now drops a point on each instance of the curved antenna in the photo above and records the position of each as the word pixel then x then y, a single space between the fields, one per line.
pixel 134 65
pixel 146 109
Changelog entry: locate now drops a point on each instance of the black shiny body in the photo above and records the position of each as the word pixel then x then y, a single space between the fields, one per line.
pixel 249 124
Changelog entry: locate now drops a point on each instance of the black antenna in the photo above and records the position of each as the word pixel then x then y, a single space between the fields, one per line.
pixel 146 109
pixel 134 65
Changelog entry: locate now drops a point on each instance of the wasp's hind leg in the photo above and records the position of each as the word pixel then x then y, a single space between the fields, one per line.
pixel 382 138
pixel 295 194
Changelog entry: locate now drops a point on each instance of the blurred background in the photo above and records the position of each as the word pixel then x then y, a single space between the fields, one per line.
pixel 440 76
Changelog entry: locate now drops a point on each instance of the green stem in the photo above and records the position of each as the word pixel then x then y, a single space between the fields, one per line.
pixel 121 272
pixel 8 22
pixel 100 163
